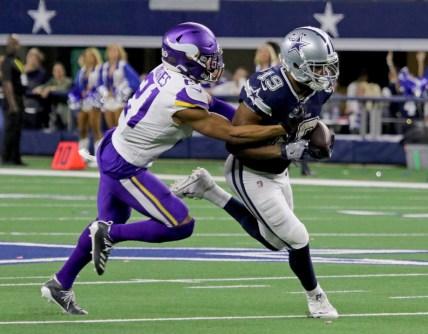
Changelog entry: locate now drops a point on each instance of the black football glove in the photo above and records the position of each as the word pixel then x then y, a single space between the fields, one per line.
pixel 294 119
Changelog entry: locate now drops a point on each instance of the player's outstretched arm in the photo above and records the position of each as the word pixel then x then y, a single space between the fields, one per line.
pixel 215 126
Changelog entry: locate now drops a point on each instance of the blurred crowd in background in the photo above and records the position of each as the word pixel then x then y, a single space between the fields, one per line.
pixel 92 100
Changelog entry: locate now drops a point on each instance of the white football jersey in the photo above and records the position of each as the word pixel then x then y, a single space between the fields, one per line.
pixel 146 128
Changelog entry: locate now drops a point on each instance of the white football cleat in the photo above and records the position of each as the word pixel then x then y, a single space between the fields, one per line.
pixel 320 307
pixel 194 185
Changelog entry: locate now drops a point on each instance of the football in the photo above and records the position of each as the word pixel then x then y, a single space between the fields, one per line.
pixel 321 136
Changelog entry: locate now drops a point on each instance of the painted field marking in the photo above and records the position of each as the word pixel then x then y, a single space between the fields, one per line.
pixel 236 235
pixel 210 280
pixel 202 318
pixel 27 252
pixel 330 292
pixel 173 177
pixel 409 297
pixel 227 286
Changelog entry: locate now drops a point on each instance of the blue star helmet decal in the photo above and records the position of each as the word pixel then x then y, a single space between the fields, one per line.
pixel 297 43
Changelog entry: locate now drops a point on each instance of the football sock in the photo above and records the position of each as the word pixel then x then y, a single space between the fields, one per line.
pixel 78 259
pixel 217 196
pixel 301 264
pixel 314 292
pixel 150 231
pixel 244 217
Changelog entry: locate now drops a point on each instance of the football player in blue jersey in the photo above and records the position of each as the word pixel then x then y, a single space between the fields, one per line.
pixel 291 94
pixel 168 105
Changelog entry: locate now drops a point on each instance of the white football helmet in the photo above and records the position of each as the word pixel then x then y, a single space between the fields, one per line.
pixel 308 54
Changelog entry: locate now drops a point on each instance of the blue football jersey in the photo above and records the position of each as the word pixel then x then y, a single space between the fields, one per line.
pixel 269 94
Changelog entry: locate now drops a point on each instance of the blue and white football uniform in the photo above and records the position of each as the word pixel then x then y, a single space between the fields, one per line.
pixel 270 95
pixel 264 185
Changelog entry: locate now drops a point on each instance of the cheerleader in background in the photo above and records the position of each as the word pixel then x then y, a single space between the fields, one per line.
pixel 265 57
pixel 83 99
pixel 118 82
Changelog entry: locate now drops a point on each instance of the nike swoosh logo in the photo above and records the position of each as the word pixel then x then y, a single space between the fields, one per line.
pixel 198 90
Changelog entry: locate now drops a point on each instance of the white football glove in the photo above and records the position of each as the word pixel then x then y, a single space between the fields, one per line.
pixel 295 150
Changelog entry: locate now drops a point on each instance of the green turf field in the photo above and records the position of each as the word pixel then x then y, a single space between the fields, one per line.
pixel 368 240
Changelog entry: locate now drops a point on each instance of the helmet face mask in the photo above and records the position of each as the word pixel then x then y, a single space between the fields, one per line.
pixel 214 66
pixel 193 50
pixel 308 54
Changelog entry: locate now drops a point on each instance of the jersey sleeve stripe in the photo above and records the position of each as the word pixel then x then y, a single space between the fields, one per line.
pixel 184 104
pixel 194 98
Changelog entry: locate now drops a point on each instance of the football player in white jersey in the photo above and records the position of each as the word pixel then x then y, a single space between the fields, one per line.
pixel 293 94
pixel 166 108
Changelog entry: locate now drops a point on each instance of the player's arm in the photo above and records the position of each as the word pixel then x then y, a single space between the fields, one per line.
pixel 291 151
pixel 215 126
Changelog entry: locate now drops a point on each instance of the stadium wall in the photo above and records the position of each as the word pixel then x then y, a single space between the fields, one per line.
pixel 348 149
pixel 355 25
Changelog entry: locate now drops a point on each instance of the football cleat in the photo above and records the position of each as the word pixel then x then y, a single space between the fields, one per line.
pixel 102 244
pixel 320 307
pixel 53 291
pixel 194 185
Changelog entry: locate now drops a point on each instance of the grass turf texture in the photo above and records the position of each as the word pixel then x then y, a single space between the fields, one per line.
pixel 224 297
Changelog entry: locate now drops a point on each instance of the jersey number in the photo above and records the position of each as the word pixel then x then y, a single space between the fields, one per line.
pixel 141 101
pixel 271 82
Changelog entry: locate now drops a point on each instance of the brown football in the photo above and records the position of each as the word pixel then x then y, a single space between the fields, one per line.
pixel 321 136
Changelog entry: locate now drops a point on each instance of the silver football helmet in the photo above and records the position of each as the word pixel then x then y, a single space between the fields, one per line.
pixel 308 54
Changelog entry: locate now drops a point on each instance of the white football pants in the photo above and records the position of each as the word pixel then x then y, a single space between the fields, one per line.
pixel 270 199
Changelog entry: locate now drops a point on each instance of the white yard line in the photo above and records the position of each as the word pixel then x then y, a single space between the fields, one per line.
pixel 210 280
pixel 227 286
pixel 239 235
pixel 173 177
pixel 202 318
pixel 409 297
pixel 329 292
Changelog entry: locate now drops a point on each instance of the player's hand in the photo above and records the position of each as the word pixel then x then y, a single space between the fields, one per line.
pixel 294 119
pixel 294 151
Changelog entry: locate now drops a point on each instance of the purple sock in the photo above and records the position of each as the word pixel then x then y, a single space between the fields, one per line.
pixel 150 231
pixel 76 262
